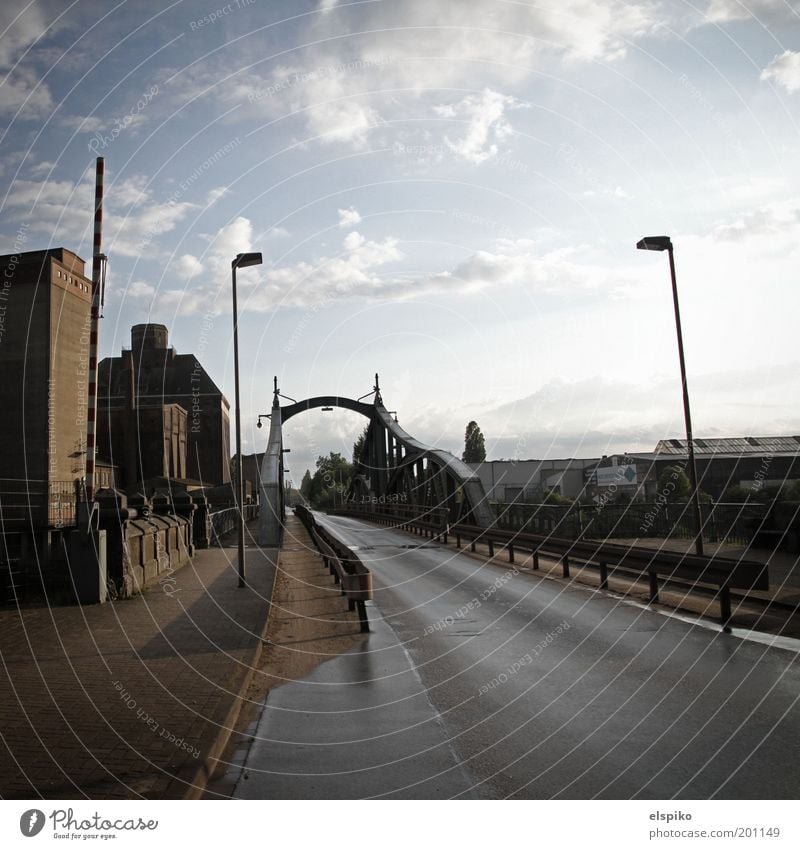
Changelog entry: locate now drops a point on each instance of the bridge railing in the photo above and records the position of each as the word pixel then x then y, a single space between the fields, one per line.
pixel 722 522
pixel 347 568
pixel 225 520
pixel 400 514
pixel 698 570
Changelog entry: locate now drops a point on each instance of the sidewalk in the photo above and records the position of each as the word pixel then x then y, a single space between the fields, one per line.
pixel 345 714
pixel 135 698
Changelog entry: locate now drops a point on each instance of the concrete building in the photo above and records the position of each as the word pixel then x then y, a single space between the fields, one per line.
pixel 45 301
pixel 528 480
pixel 161 415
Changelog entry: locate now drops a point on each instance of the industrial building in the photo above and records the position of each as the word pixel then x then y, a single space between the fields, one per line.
pixel 45 302
pixel 749 462
pixel 160 415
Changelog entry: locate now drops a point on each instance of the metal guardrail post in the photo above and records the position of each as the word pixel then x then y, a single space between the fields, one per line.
pixel 653 594
pixel 725 608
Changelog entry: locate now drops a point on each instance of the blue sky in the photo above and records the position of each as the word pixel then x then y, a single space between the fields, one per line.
pixel 447 193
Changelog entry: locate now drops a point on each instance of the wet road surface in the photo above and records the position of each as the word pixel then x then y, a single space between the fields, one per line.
pixel 538 689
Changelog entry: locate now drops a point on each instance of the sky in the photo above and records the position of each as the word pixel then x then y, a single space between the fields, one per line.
pixel 445 192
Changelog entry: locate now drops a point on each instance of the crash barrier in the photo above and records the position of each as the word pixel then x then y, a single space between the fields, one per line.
pixel 348 570
pixel 698 570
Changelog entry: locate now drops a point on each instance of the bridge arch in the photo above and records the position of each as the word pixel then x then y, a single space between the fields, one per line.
pixel 395 466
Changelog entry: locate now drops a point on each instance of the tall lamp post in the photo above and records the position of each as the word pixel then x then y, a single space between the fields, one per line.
pixel 241 261
pixel 664 243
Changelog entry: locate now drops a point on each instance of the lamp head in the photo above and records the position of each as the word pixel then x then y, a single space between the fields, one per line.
pixel 654 243
pixel 245 260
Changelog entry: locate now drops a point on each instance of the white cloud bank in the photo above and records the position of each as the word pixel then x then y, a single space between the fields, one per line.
pixel 785 70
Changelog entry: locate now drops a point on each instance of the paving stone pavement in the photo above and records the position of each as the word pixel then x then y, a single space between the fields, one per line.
pixel 134 698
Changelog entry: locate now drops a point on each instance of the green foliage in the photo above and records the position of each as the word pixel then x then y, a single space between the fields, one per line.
pixel 789 491
pixel 305 485
pixel 674 484
pixel 553 497
pixel 330 481
pixel 474 445
pixel 360 447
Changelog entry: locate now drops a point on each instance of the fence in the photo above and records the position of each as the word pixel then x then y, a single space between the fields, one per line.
pixel 37 505
pixel 698 570
pixel 722 522
pixel 344 564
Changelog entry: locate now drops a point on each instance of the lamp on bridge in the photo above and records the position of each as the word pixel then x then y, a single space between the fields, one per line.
pixel 664 243
pixel 241 261
pixel 262 416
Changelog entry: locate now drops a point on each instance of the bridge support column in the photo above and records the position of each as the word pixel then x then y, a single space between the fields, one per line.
pixel 270 529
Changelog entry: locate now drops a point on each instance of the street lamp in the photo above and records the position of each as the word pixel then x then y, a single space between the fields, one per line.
pixel 241 261
pixel 664 243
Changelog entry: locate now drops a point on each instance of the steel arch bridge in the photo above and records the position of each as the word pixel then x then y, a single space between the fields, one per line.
pixel 396 467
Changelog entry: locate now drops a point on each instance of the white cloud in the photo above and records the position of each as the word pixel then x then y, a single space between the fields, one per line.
pixel 140 289
pixel 187 266
pixel 21 90
pixel 485 114
pixel 785 70
pixel 348 217
pixel 720 11
pixel 370 61
pixel 216 194
pixel 357 273
pixel 232 239
pixel 42 168
pixel 22 24
pixel 84 124
pixel 776 225
pixel 61 210
pixel 332 118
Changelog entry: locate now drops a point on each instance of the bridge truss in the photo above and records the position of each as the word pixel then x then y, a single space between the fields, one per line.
pixel 394 468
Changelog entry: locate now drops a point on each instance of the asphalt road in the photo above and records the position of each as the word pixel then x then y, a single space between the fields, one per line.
pixel 549 691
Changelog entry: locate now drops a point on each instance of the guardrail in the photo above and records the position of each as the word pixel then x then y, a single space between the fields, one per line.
pixel 721 572
pixel 344 564
pixel 224 521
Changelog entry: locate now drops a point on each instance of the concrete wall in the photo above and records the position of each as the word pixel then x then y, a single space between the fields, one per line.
pixel 141 552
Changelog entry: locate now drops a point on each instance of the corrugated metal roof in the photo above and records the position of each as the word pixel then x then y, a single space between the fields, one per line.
pixel 735 445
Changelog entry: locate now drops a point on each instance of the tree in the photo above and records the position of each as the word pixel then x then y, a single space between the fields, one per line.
pixel 673 484
pixel 330 481
pixel 305 485
pixel 360 447
pixel 474 445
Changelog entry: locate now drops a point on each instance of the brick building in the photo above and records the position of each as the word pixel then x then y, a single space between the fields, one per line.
pixel 45 302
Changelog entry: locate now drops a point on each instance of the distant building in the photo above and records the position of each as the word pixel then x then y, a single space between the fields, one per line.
pixel 722 463
pixel 529 480
pixel 161 415
pixel 45 303
pixel 251 474
pixel 750 462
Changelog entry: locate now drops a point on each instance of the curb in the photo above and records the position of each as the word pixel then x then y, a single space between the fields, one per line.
pixel 197 778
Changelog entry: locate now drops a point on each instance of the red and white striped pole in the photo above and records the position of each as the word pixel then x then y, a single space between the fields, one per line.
pixel 97 282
